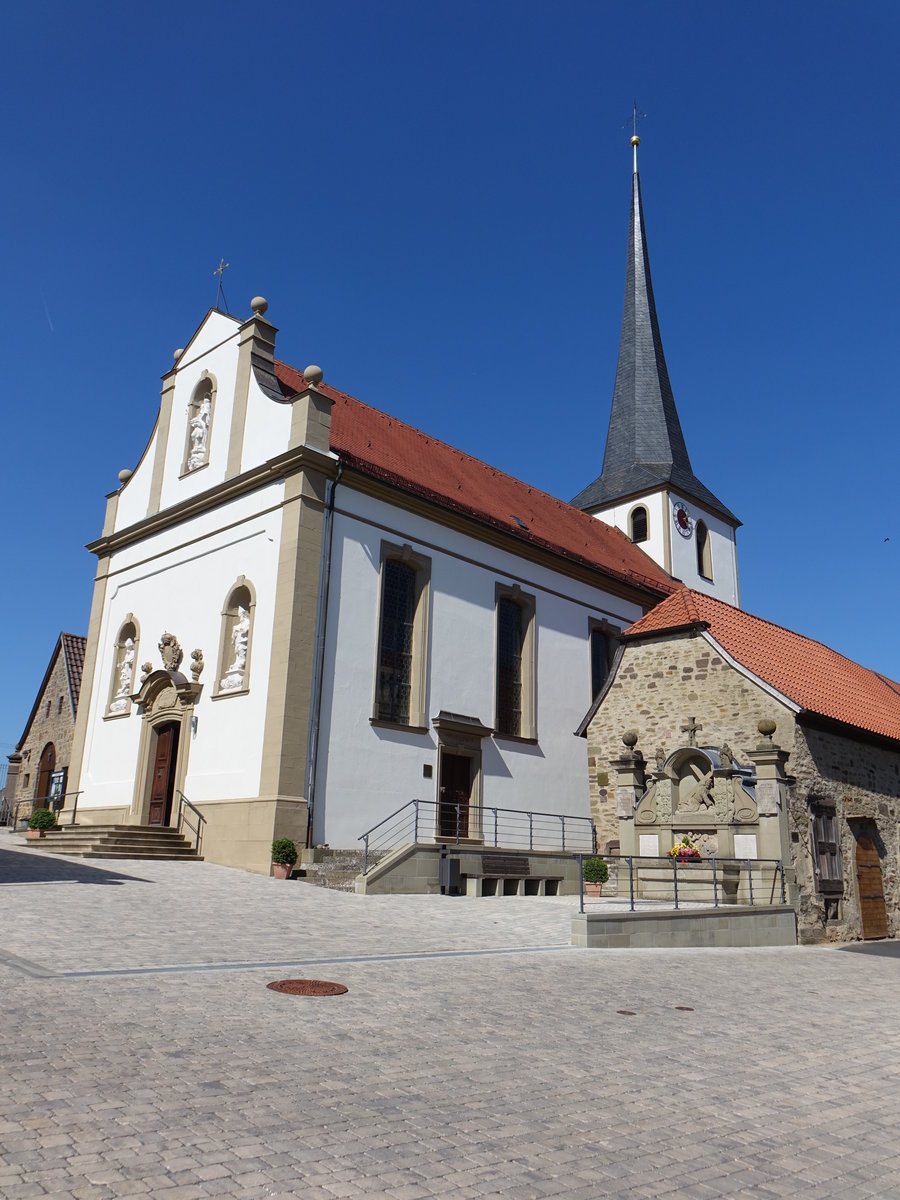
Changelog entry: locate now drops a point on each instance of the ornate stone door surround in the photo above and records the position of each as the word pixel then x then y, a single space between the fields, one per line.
pixel 165 697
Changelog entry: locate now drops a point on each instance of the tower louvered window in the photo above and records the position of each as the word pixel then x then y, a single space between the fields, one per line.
pixel 398 614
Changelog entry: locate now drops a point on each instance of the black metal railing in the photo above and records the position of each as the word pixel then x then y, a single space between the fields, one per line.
pixel 22 810
pixel 727 879
pixel 436 821
pixel 184 807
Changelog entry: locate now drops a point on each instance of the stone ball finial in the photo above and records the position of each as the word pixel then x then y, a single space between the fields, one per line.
pixel 767 728
pixel 177 353
pixel 125 475
pixel 313 374
pixel 630 738
pixel 260 305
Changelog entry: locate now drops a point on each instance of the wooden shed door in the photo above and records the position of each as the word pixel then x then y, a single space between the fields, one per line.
pixel 162 785
pixel 871 888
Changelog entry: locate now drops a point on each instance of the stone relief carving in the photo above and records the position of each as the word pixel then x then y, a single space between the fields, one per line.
pixel 240 640
pixel 696 795
pixel 767 797
pixel 146 671
pixel 170 651
pixel 122 698
pixel 167 698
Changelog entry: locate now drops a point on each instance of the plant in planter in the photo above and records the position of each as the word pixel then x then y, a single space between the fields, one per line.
pixel 41 820
pixel 284 855
pixel 595 873
pixel 685 851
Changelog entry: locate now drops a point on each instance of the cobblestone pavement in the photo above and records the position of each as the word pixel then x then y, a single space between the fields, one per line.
pixel 475 1054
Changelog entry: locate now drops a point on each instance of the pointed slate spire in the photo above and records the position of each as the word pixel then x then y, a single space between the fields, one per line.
pixel 645 447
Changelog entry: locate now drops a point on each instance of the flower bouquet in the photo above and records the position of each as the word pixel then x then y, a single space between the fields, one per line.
pixel 685 851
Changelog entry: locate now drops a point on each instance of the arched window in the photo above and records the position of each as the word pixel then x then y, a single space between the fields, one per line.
pixel 233 673
pixel 638 524
pixel 125 653
pixel 704 551
pixel 199 424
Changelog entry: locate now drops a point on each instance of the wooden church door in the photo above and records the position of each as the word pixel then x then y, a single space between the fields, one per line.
pixel 162 787
pixel 455 790
pixel 871 888
pixel 46 767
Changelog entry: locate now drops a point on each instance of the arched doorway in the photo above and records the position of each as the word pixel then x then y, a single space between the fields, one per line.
pixel 162 784
pixel 870 887
pixel 46 767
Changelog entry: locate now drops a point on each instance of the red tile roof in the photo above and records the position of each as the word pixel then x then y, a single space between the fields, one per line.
pixel 815 677
pixel 398 454
pixel 73 646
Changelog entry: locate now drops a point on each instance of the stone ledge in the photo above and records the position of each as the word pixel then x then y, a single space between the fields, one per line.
pixel 738 925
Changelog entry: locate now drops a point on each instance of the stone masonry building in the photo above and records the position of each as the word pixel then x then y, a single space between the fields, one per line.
pixel 698 673
pixel 38 768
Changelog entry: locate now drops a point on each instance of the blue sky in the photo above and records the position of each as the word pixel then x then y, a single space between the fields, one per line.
pixel 434 199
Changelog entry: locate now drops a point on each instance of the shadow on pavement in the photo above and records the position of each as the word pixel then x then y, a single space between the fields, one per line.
pixel 18 866
pixel 887 949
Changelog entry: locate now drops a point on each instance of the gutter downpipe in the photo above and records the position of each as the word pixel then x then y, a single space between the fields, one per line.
pixel 315 711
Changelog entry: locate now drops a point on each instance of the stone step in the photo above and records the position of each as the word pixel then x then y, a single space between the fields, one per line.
pixel 118 841
pixel 337 870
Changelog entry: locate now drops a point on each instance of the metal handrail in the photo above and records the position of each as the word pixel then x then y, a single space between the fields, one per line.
pixel 181 821
pixel 635 860
pixel 57 803
pixel 487 825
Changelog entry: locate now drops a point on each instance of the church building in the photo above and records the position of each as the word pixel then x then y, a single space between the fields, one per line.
pixel 308 614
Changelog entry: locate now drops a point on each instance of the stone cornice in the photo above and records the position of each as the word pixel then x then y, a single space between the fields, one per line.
pixel 290 462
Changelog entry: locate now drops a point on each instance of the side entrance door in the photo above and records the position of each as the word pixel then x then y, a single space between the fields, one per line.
pixel 871 888
pixel 454 793
pixel 162 787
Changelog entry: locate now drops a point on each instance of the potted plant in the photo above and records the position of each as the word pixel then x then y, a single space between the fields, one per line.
pixel 284 855
pixel 595 873
pixel 685 851
pixel 42 819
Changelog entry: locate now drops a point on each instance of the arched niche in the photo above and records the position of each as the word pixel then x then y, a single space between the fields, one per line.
pixel 125 657
pixel 198 430
pixel 236 639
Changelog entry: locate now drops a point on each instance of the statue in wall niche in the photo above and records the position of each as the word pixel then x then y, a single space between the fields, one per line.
pixel 199 435
pixel 696 796
pixel 240 640
pixel 126 671
pixel 170 651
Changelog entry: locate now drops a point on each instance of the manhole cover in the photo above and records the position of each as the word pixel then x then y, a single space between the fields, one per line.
pixel 307 987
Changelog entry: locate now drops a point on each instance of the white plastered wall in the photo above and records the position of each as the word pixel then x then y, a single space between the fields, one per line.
pixel 177 581
pixel 724 584
pixel 365 772
pixel 619 516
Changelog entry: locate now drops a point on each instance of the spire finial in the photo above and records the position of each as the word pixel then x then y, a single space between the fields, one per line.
pixel 635 140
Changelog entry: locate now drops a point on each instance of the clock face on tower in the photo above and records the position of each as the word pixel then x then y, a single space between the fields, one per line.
pixel 684 522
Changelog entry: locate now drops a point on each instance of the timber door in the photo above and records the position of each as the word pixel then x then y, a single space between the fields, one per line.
pixel 454 794
pixel 46 767
pixel 162 785
pixel 871 888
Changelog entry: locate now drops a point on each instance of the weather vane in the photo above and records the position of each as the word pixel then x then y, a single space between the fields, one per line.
pixel 632 121
pixel 220 291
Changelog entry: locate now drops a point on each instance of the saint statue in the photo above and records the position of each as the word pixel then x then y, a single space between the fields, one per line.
pixel 126 671
pixel 199 435
pixel 240 639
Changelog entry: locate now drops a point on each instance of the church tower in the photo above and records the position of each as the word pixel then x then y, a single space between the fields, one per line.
pixel 647 486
